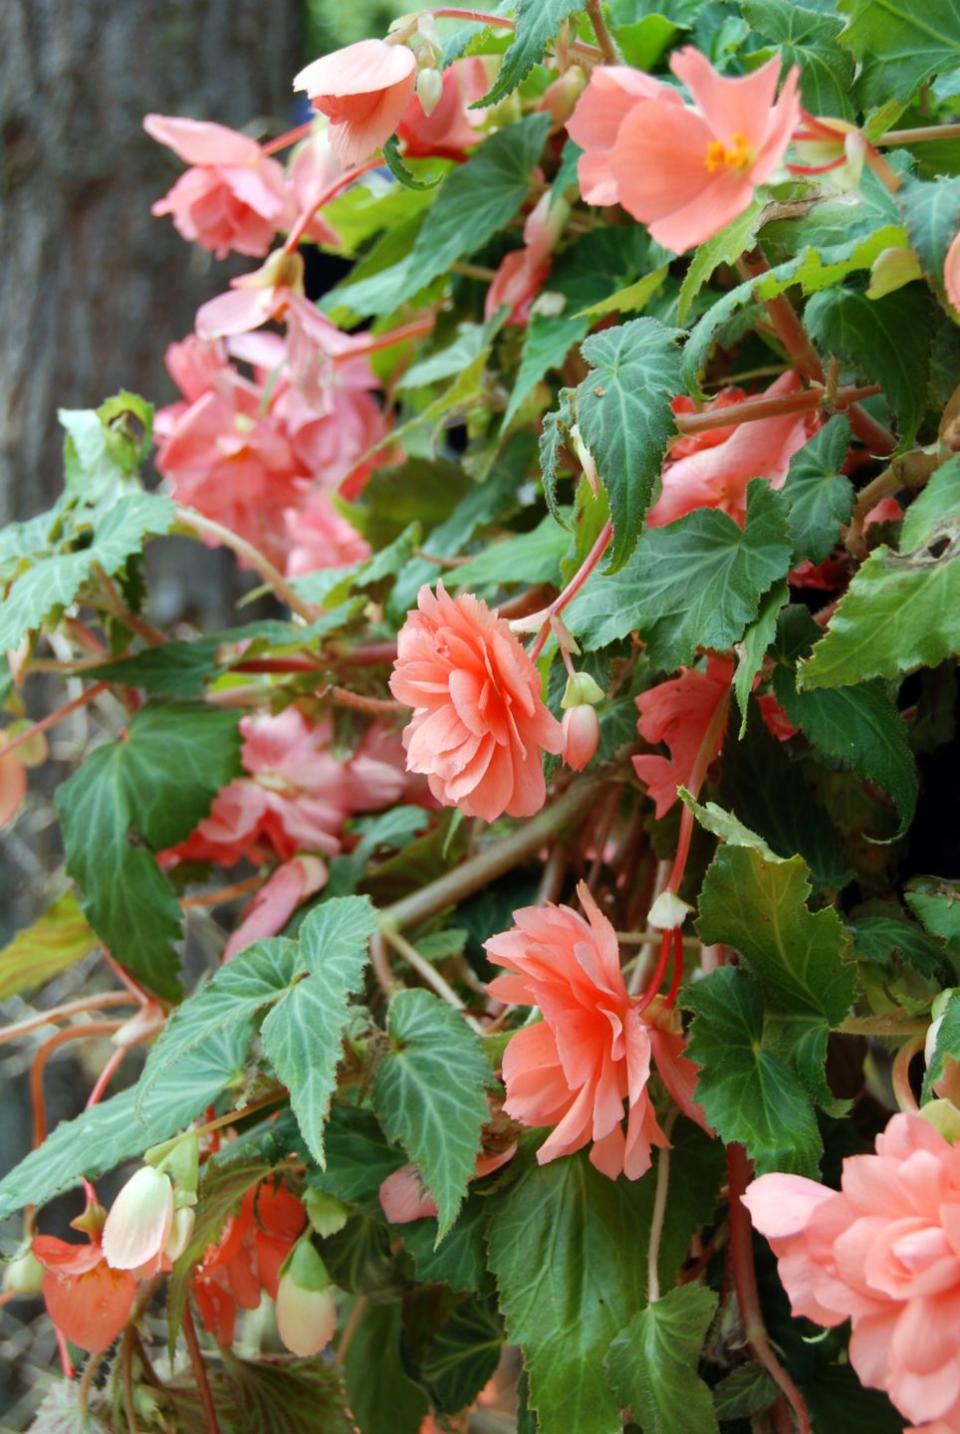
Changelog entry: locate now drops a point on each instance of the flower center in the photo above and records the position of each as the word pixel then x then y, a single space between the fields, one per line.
pixel 735 155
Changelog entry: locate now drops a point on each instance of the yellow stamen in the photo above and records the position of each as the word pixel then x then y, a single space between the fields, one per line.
pixel 735 155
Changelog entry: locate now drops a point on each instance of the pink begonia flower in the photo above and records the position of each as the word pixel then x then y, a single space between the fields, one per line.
pixel 522 272
pixel 87 1300
pixel 363 90
pixel 195 365
pixel 452 127
pixel 479 725
pixel 232 197
pixel 404 1198
pixel 679 712
pixel 285 889
pixel 883 1252
pixel 684 172
pixel 313 168
pixel 252 299
pixel 716 474
pixel 951 273
pixel 709 437
pixel 776 721
pixel 595 123
pixel 320 537
pixel 888 510
pixel 139 1221
pixel 296 797
pixel 593 1049
pixel 581 734
pixel 247 1258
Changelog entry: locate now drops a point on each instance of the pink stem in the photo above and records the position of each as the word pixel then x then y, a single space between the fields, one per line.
pixel 751 410
pixel 572 588
pixel 697 774
pixel 105 1076
pixel 330 193
pixel 283 141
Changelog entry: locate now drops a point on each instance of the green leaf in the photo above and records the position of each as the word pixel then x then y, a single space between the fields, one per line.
pixel 177 669
pixel 537 23
pixel 131 799
pixel 532 557
pixel 725 247
pixel 460 1261
pixel 748 1093
pixel 104 447
pixel 57 939
pixel 401 173
pixel 900 46
pixel 630 299
pixel 54 578
pixel 256 977
pixel 391 1403
pixel 653 1363
pixel 947 1046
pixel 556 1247
pixel 902 610
pixel 697 582
pixel 808 38
pixel 756 640
pixel 261 1397
pixel 935 902
pixel 931 212
pixel 437 1120
pixel 475 202
pixel 819 496
pixel 624 414
pixel 470 340
pixel 463 1355
pixel 303 1034
pixel 554 433
pixel 100 1138
pixel 547 342
pixel 861 728
pixel 887 340
pixel 359 1158
pixel 747 1389
pixel 756 902
pixel 884 938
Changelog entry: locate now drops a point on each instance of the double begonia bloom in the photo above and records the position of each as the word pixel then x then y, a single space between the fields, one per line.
pixel 247 1258
pixel 233 197
pixel 87 1300
pixel 593 1049
pixel 320 537
pixel 715 473
pixel 364 90
pixel 679 712
pixel 883 1252
pixel 684 172
pixel 452 127
pixel 479 725
pixel 951 273
pixel 297 795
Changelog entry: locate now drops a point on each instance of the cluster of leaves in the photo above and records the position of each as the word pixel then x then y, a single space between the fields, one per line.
pixel 811 859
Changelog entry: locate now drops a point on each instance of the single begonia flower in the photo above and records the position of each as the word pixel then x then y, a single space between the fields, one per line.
pixel 306 1308
pixel 715 473
pixel 233 197
pixel 884 1252
pixel 252 299
pixel 363 90
pixel 246 1260
pixel 320 537
pixel 87 1300
pixel 593 1049
pixel 139 1221
pixel 479 726
pixel 679 712
pixel 595 123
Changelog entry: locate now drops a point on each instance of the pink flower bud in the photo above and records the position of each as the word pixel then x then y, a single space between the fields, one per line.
pixel 138 1225
pixel 429 90
pixel 581 733
pixel 306 1308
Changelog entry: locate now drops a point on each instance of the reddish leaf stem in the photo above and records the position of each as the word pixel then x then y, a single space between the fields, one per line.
pixel 39 1065
pixel 342 181
pixel 745 1284
pixel 751 410
pixel 62 1013
pixel 284 141
pixel 53 718
pixel 199 1370
pixel 569 592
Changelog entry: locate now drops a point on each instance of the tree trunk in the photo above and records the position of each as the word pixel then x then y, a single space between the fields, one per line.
pixel 92 287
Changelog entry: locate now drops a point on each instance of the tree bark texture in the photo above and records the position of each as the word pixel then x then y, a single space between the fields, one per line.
pixel 92 287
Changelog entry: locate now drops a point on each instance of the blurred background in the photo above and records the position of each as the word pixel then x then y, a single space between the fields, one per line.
pixel 92 290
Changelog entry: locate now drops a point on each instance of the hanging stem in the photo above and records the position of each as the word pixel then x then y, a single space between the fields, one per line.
pixel 342 182
pixel 604 39
pixel 900 1074
pixel 223 894
pixel 126 1366
pixel 72 1033
pixel 373 343
pixel 199 1370
pixel 271 575
pixel 751 410
pixel 64 1012
pixel 659 1212
pixel 350 1329
pixel 697 774
pixel 423 968
pixel 745 1283
pixel 53 718
pixel 105 1076
pixel 569 592
pixel 342 697
pixel 284 141
pixel 917 136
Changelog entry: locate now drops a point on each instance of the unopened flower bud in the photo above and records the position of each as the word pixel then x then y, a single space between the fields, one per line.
pixel 326 1214
pixel 668 912
pixel 580 730
pixel 581 688
pixel 306 1309
pixel 560 98
pixel 138 1225
pixel 429 89
pixel 180 1231
pixel 24 1274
